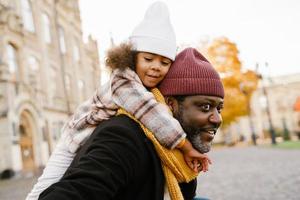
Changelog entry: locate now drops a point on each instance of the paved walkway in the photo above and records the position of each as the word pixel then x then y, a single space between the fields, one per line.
pixel 237 173
pixel 16 189
pixel 252 173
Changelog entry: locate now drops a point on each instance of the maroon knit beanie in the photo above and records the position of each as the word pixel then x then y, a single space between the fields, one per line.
pixel 191 74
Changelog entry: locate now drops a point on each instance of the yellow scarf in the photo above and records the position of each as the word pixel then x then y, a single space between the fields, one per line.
pixel 173 164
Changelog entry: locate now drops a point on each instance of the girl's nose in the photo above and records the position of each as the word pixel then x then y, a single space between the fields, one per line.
pixel 156 66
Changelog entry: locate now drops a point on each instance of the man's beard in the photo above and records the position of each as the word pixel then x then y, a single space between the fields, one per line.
pixel 193 133
pixel 197 143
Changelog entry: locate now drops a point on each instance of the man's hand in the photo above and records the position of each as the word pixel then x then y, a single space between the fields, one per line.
pixel 194 159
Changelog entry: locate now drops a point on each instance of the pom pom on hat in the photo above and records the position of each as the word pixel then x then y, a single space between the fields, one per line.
pixel 191 74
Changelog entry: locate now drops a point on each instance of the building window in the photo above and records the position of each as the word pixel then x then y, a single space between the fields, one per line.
pixel 53 82
pixel 46 27
pixel 56 128
pixel 76 54
pixel 80 85
pixel 27 15
pixel 33 74
pixel 81 89
pixel 33 64
pixel 68 82
pixel 12 58
pixel 62 43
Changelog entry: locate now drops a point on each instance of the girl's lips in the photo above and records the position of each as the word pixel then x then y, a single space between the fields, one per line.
pixel 153 76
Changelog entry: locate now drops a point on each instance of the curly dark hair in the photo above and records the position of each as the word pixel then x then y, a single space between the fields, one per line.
pixel 121 56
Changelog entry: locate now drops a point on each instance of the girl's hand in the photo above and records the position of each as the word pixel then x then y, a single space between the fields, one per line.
pixel 195 160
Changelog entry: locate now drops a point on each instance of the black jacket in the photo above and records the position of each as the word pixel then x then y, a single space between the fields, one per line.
pixel 117 162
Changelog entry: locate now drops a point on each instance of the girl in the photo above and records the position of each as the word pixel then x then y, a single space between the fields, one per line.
pixel 137 66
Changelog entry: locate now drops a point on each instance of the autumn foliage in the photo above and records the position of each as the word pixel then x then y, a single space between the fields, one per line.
pixel 239 83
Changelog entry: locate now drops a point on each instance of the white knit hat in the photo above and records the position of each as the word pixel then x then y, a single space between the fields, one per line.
pixel 155 33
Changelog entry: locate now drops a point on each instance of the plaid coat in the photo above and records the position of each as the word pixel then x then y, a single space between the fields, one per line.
pixel 125 90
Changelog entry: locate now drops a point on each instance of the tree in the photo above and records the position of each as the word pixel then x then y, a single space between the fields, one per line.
pixel 239 84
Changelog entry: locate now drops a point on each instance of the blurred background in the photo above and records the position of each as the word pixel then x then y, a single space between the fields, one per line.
pixel 52 56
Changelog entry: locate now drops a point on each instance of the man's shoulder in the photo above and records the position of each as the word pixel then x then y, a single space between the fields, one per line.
pixel 111 132
pixel 119 127
pixel 120 122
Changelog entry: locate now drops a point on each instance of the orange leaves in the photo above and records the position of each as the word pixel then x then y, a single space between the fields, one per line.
pixel 223 54
pixel 235 105
pixel 297 105
pixel 239 85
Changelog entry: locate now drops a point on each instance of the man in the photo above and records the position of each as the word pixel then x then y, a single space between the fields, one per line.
pixel 120 162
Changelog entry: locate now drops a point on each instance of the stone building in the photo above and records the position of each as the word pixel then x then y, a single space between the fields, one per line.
pixel 281 96
pixel 46 70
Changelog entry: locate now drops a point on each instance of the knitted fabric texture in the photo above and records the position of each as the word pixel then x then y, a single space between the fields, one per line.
pixel 127 91
pixel 192 74
pixel 155 33
pixel 173 164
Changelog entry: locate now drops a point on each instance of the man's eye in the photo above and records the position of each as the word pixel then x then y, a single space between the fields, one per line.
pixel 205 107
pixel 220 108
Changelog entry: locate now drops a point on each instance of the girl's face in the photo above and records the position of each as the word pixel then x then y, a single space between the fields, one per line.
pixel 151 68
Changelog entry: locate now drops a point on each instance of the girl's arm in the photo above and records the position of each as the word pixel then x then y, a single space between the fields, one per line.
pixel 129 93
pixel 75 132
pixel 112 160
pixel 87 116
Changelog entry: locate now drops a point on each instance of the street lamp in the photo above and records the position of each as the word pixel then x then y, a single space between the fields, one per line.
pixel 253 135
pixel 286 132
pixel 283 109
pixel 271 128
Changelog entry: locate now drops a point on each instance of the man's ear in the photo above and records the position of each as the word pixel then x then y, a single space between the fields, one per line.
pixel 172 103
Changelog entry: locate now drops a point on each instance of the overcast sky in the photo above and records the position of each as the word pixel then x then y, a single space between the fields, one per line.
pixel 264 30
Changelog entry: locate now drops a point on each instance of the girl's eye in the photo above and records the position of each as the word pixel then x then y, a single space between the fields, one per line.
pixel 148 59
pixel 165 63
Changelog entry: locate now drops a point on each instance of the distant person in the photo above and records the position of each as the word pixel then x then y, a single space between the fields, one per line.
pixel 137 67
pixel 123 160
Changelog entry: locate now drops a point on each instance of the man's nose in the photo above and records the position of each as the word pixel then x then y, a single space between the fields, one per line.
pixel 216 118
